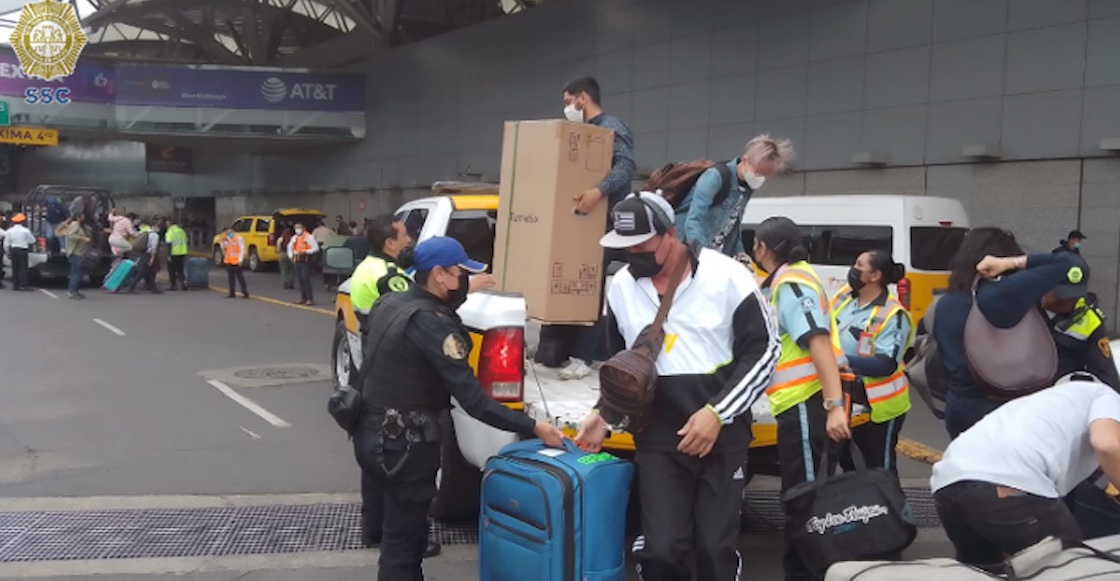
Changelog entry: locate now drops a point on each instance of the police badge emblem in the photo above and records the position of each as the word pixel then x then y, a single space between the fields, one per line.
pixel 454 347
pixel 48 39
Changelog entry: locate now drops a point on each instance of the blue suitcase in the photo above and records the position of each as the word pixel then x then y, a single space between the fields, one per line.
pixel 197 270
pixel 553 515
pixel 119 274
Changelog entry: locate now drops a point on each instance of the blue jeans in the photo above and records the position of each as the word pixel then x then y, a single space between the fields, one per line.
pixel 75 274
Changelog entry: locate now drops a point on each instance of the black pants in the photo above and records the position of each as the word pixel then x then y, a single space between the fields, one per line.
pixel 801 441
pixel 176 271
pixel 877 442
pixel 407 497
pixel 146 271
pixel 303 274
pixel 373 508
pixel 985 529
pixel 236 274
pixel 19 268
pixel 690 514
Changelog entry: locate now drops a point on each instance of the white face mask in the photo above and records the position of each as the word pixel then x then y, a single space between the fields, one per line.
pixel 573 114
pixel 299 230
pixel 754 181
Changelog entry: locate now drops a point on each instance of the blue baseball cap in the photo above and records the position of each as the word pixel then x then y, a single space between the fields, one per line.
pixel 444 252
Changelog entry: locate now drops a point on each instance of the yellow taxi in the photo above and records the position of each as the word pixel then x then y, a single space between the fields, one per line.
pixel 261 233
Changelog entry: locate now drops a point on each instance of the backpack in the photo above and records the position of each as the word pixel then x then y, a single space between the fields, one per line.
pixel 56 213
pixel 140 243
pixel 926 370
pixel 675 180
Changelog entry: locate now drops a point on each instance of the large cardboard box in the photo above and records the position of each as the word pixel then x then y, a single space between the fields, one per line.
pixel 542 248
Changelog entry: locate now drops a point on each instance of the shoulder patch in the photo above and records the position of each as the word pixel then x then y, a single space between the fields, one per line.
pixel 1105 347
pixel 454 347
pixel 398 284
pixel 807 304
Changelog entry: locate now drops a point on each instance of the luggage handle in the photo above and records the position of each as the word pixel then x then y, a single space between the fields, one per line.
pixel 822 468
pixel 1065 543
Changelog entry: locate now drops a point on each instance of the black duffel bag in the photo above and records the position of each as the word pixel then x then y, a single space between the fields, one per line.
pixel 850 516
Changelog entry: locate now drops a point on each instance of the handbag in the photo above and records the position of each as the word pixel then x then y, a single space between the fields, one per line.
pixel 1009 363
pixel 628 380
pixel 858 515
pixel 926 369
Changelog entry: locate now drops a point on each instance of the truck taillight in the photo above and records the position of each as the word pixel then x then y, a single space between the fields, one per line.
pixel 42 243
pixel 904 292
pixel 501 363
pixel 272 239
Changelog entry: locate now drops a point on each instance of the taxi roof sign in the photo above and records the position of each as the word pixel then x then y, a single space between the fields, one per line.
pixel 29 135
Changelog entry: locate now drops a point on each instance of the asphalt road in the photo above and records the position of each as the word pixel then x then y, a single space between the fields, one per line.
pixel 128 402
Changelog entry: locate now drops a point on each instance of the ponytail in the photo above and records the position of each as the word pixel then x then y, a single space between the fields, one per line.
pixel 783 238
pixel 881 261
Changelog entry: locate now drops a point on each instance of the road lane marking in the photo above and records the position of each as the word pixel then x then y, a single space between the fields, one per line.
pixel 278 302
pixel 248 404
pixel 251 433
pixel 48 293
pixel 109 327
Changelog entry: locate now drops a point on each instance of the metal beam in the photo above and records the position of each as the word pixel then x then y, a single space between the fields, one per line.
pixel 193 33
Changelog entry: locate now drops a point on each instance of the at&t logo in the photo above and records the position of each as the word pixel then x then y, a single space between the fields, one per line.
pixel 275 90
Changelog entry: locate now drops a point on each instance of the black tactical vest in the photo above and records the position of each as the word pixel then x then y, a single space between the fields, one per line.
pixel 400 377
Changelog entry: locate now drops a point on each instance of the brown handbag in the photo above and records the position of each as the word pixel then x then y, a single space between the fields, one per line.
pixel 1012 362
pixel 628 380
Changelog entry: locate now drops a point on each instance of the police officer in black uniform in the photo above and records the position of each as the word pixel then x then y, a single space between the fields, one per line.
pixel 418 349
pixel 1077 326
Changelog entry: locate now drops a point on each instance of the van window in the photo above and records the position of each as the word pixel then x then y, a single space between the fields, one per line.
pixel 932 248
pixel 835 245
pixel 474 229
pixel 414 223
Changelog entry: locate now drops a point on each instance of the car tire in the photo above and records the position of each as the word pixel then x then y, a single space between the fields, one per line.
pixel 341 371
pixel 218 255
pixel 255 263
pixel 459 484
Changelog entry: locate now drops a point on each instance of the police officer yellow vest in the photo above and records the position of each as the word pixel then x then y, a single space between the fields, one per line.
pixel 1085 325
pixel 796 378
pixel 889 396
pixel 364 290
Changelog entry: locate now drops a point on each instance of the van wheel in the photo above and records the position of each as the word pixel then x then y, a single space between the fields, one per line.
pixel 342 361
pixel 255 263
pixel 458 484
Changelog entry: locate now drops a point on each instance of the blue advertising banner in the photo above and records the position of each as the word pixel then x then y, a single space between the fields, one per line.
pixel 186 86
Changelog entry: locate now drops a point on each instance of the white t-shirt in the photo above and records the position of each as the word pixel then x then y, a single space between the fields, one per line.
pixel 1038 444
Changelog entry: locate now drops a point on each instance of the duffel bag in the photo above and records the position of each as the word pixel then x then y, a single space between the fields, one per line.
pixel 857 515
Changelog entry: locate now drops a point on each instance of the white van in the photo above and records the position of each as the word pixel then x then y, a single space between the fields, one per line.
pixel 921 232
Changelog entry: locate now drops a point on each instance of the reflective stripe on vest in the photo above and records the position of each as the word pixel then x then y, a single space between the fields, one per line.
pixel 889 396
pixel 1085 325
pixel 796 378
pixel 301 245
pixel 233 251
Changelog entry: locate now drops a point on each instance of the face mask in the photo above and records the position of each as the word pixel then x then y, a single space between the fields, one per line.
pixel 643 264
pixel 573 114
pixel 405 257
pixel 754 181
pixel 230 235
pixel 1077 246
pixel 456 297
pixel 854 276
pixel 299 230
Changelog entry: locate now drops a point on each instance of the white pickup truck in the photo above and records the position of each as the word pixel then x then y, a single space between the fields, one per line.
pixel 500 333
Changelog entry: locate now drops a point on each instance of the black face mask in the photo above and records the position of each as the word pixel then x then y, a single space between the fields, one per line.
pixel 456 298
pixel 405 257
pixel 854 275
pixel 643 264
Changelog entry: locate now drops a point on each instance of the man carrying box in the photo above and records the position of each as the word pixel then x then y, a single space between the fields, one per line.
pixel 582 104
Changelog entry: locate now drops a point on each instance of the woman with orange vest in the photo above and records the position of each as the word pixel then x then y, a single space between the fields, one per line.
pixel 875 331
pixel 300 249
pixel 233 255
pixel 805 393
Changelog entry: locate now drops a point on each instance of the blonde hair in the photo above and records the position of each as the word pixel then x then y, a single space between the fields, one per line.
pixel 764 150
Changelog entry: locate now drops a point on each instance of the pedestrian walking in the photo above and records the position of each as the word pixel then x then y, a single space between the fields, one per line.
pixel 78 237
pixel 300 250
pixel 18 241
pixel 147 261
pixel 234 252
pixel 287 276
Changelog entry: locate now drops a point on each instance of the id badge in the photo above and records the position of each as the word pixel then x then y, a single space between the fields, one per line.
pixel 866 345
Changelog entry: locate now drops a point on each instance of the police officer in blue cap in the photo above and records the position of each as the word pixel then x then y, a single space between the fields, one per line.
pixel 417 349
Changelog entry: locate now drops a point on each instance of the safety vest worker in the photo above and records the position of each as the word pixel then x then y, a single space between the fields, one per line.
pixel 176 237
pixel 383 271
pixel 1077 326
pixel 875 330
pixel 806 394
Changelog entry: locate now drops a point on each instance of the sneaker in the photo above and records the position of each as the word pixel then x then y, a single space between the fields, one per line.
pixel 576 369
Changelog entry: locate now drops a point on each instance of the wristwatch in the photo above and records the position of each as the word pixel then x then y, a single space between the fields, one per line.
pixel 831 404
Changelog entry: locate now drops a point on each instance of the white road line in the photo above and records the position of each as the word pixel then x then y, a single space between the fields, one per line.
pixel 251 433
pixel 248 404
pixel 48 293
pixel 109 327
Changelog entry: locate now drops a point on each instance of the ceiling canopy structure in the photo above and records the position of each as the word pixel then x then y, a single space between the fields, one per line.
pixel 319 34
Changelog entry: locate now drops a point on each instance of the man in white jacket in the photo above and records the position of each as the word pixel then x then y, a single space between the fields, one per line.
pixel 18 241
